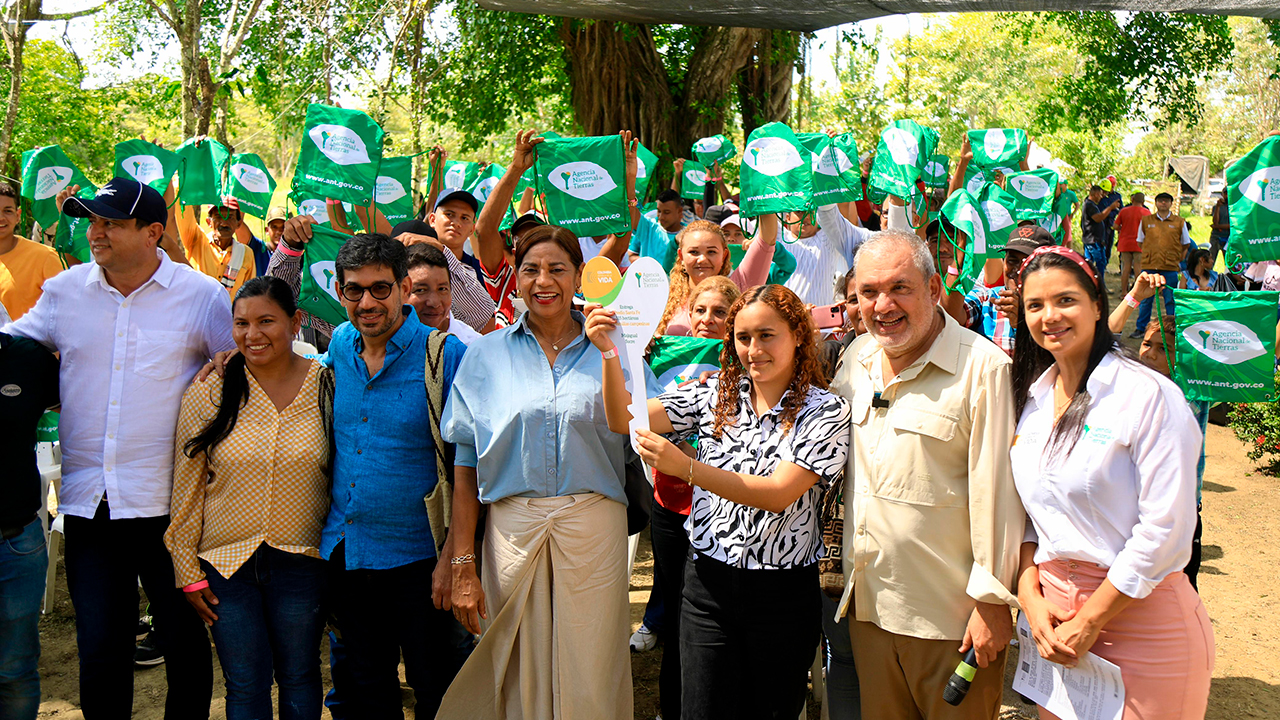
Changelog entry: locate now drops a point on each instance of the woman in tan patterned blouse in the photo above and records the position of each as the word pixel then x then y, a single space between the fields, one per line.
pixel 250 494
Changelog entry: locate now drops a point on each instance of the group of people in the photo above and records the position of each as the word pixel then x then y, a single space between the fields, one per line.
pixel 446 478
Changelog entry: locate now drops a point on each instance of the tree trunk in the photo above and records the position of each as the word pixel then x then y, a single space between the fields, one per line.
pixel 14 46
pixel 764 85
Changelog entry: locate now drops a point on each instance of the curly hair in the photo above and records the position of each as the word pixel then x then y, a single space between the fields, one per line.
pixel 808 367
pixel 681 283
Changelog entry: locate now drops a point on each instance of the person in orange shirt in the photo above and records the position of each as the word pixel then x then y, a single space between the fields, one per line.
pixel 222 250
pixel 1127 222
pixel 24 265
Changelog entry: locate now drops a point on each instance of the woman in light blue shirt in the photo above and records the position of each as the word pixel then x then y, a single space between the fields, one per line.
pixel 535 449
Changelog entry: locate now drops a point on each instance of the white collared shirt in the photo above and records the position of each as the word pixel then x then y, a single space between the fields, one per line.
pixel 126 362
pixel 1124 496
pixel 1186 232
pixel 823 259
pixel 462 331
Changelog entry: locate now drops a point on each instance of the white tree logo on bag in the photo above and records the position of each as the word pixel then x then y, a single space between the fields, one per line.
pixel 998 217
pixel 707 145
pixel 1225 341
pixel 51 180
pixel 582 179
pixel 968 215
pixel 903 146
pixel 325 273
pixel 1263 188
pixel 340 144
pixel 831 161
pixel 771 156
pixel 993 143
pixel 695 176
pixel 1030 186
pixel 314 208
pixel 251 178
pixel 387 190
pixel 143 168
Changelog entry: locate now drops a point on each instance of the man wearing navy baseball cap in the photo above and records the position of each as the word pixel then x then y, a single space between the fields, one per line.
pixel 133 327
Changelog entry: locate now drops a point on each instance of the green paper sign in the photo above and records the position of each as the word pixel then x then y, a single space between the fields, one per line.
pixel 693 180
pixel 318 293
pixel 937 172
pixel 341 151
pixel 998 147
pixel 251 184
pixel 147 163
pixel 1226 345
pixel 47 171
pixel 776 172
pixel 581 179
pixel 837 177
pixel 203 165
pixel 1253 196
pixel 714 149
pixel 1033 193
pixel 392 192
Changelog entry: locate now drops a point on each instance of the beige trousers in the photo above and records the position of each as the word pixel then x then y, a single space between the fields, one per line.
pixel 555 584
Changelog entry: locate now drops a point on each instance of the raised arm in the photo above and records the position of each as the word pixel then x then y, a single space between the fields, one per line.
pixel 600 322
pixel 488 244
pixel 957 175
pixel 435 161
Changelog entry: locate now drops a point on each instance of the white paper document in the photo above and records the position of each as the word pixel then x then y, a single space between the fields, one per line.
pixel 1092 690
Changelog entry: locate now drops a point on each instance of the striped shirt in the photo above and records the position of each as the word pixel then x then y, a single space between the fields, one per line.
pixel 264 483
pixel 823 259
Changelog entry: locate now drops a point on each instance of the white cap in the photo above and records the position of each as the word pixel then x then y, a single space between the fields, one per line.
pixel 746 224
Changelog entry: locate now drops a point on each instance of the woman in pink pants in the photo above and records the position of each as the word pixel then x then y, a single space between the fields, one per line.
pixel 1105 462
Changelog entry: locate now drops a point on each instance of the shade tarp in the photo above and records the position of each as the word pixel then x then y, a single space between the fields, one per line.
pixel 816 14
pixel 1192 171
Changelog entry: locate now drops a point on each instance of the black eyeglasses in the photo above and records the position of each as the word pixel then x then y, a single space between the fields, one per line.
pixel 379 291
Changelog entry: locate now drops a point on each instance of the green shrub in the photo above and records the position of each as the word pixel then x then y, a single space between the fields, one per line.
pixel 1257 425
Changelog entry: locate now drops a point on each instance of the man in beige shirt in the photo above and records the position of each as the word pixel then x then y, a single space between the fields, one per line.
pixel 933 523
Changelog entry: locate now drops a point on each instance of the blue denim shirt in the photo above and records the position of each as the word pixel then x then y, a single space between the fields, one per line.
pixel 384 461
pixel 530 429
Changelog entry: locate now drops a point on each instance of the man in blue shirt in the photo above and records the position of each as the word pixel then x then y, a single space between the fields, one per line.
pixel 377 537
pixel 657 238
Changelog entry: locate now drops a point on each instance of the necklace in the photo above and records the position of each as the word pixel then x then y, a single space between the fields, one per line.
pixel 556 345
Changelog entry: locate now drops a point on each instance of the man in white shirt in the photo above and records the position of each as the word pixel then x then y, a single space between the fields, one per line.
pixel 823 253
pixel 133 328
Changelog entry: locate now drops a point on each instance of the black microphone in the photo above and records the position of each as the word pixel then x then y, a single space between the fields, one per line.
pixel 958 686
pixel 878 402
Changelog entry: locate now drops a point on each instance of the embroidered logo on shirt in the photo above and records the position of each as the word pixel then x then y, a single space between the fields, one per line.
pixel 1099 435
pixel 10 390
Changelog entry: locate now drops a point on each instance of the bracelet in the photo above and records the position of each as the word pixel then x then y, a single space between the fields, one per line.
pixel 689 480
pixel 1128 300
pixel 284 248
pixel 195 586
pixel 610 353
pixel 953 271
pixel 463 559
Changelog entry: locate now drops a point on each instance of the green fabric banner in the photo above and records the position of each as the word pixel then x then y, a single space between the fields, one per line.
pixel 392 191
pixel 998 147
pixel 837 177
pixel 318 293
pixel 1033 193
pixel 46 171
pixel 581 179
pixel 776 174
pixel 73 233
pixel 147 163
pixel 201 173
pixel 485 182
pixel 1253 196
pixel 459 175
pixel 937 172
pixel 341 151
pixel 904 150
pixel 974 179
pixel 710 150
pixel 1226 345
pixel 693 180
pixel 675 359
pixel 646 164
pixel 251 184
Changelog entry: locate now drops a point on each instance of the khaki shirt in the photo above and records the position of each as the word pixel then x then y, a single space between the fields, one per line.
pixel 933 522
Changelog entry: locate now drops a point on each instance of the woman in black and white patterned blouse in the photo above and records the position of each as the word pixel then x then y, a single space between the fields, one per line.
pixel 770 439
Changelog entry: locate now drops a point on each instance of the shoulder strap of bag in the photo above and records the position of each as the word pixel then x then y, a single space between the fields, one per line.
pixel 440 500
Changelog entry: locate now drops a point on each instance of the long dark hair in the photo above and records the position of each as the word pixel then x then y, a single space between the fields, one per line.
pixel 235 381
pixel 1030 360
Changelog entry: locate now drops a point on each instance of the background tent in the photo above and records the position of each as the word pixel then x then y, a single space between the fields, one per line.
pixel 1192 172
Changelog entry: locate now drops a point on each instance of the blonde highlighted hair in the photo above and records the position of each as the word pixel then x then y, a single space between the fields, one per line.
pixel 681 284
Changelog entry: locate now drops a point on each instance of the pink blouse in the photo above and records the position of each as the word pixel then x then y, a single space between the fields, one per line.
pixel 752 271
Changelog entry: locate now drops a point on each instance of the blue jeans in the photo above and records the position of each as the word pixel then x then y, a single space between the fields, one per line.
pixel 1096 255
pixel 270 622
pixel 844 699
pixel 1144 309
pixel 23 562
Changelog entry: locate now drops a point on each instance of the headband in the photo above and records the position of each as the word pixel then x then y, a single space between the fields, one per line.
pixel 1067 253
